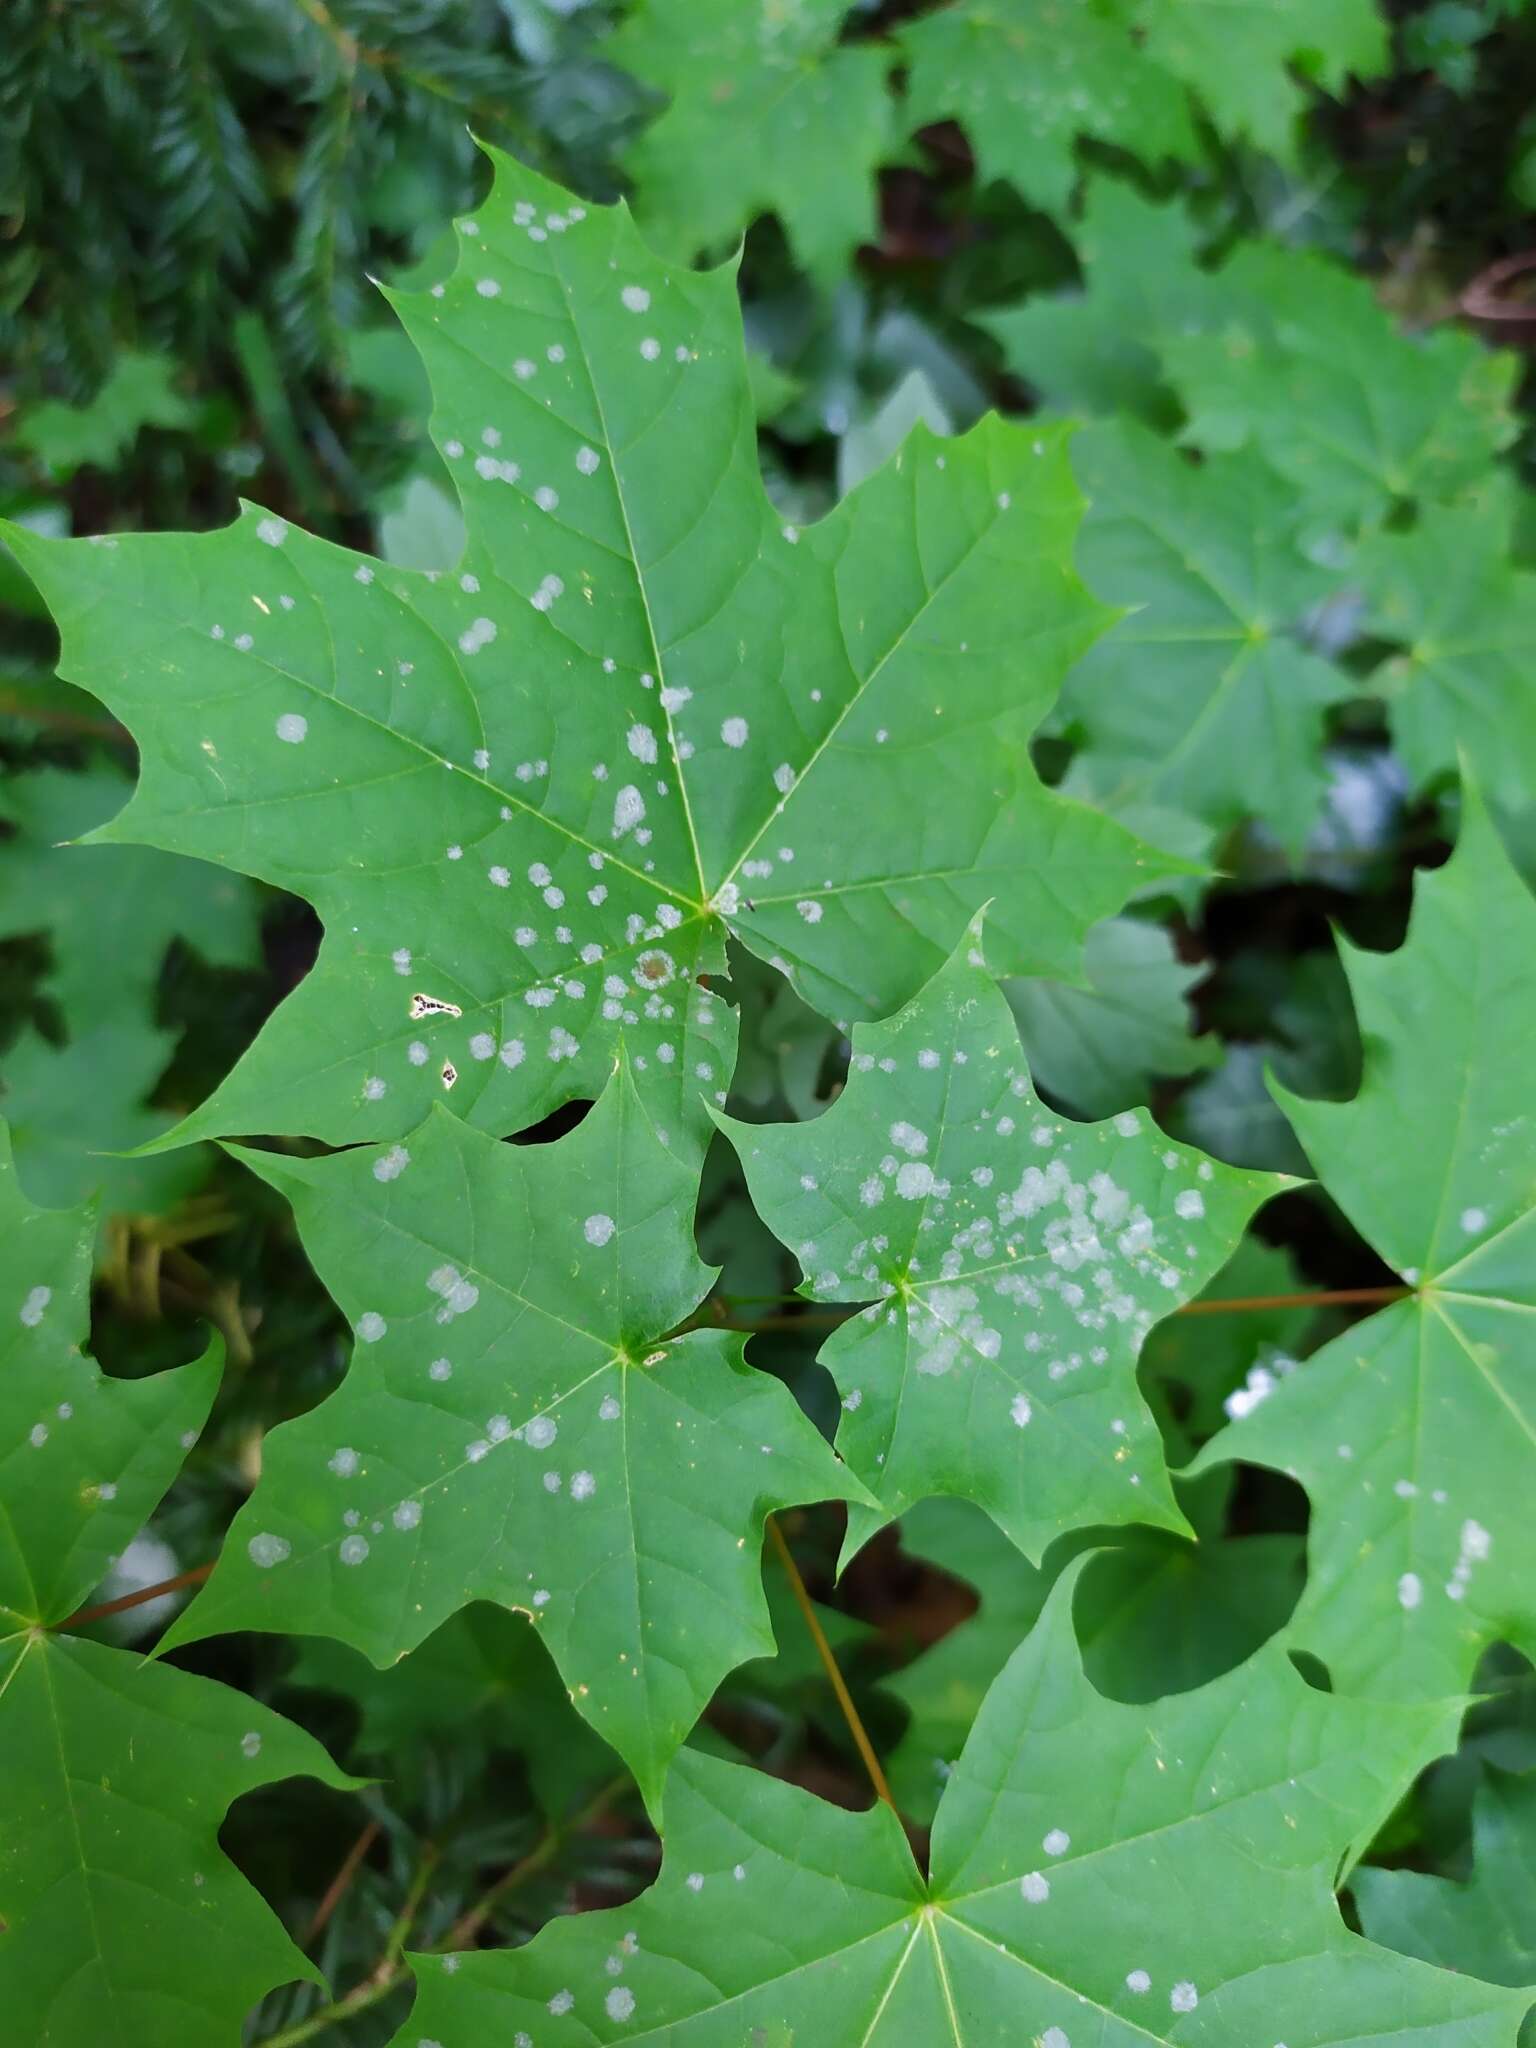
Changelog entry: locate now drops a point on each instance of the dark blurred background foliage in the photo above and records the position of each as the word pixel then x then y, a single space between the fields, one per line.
pixel 196 198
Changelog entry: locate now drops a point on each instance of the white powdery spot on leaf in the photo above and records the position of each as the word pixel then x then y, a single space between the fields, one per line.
pixel 266 1550
pixel 292 727
pixel 371 1326
pixel 33 1307
pixel 598 1229
pixel 1035 1888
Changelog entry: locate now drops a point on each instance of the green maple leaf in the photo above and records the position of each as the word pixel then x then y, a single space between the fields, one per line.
pixel 118 1909
pixel 1481 1927
pixel 1449 590
pixel 1154 1615
pixel 1415 1432
pixel 1235 53
pixel 1026 78
pixel 109 914
pixel 1092 350
pixel 1295 356
pixel 140 391
pixel 769 113
pixel 517 1425
pixel 1014 1261
pixel 1099 1873
pixel 1099 1048
pixel 1205 698
pixel 68 1105
pixel 530 798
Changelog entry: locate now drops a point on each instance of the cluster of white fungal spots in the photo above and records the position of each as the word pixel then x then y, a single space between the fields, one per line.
pixel 1039 1260
pixel 480 632
pixel 456 1295
pixel 1476 1546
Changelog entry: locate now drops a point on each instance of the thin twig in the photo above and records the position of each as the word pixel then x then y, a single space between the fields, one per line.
pixel 194 1577
pixel 469 1923
pixel 370 1992
pixel 833 1317
pixel 1237 1304
pixel 856 1728
pixel 388 1966
pixel 339 1885
pixel 12 706
pixel 390 1969
pixel 1329 1297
